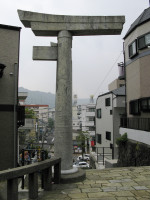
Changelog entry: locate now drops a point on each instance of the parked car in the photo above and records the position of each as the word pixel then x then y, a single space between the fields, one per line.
pixel 81 164
pixel 85 157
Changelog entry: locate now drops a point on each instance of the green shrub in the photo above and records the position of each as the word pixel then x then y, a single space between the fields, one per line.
pixel 122 140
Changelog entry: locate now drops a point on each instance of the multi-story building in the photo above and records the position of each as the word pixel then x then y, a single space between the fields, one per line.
pixel 137 65
pixel 9 67
pixel 41 111
pixel 86 117
pixel 109 107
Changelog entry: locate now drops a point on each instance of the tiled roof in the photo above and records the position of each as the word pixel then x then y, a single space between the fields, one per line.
pixel 119 91
pixel 144 17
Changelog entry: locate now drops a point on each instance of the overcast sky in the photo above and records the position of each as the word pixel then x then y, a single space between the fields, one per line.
pixel 94 58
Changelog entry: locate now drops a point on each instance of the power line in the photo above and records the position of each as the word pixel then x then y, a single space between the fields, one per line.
pixel 108 73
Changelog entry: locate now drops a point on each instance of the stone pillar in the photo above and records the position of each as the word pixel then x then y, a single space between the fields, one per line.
pixel 63 116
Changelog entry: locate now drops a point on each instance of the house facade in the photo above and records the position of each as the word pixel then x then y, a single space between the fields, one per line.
pixel 109 108
pixel 137 67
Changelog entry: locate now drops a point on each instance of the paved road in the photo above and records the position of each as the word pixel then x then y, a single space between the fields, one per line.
pixel 107 184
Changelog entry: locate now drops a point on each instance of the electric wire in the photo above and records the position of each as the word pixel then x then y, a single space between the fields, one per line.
pixel 107 73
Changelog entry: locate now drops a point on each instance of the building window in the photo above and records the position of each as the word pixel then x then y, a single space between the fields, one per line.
pixel 107 102
pixel 91 128
pixel 91 110
pixel 144 41
pixel 99 138
pixel 134 107
pixel 108 135
pixel 99 113
pixel 91 119
pixel 110 112
pixel 133 49
pixel 145 104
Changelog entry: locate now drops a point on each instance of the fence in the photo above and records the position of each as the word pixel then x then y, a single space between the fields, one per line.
pixel 12 175
pixel 105 152
pixel 136 123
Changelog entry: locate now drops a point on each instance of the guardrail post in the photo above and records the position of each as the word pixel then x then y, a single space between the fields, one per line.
pixel 33 186
pixel 57 173
pixel 47 179
pixel 12 189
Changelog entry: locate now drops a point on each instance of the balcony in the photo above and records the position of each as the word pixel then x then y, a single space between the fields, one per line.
pixel 136 123
pixel 90 114
pixel 89 123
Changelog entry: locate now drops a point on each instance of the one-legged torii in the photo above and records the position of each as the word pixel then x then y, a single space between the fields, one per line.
pixel 64 28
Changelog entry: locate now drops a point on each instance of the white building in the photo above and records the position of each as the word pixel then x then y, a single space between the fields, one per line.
pixel 109 108
pixel 75 118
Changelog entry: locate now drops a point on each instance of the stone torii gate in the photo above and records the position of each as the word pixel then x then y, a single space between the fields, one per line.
pixel 64 28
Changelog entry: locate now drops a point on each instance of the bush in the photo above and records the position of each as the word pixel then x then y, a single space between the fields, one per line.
pixel 122 140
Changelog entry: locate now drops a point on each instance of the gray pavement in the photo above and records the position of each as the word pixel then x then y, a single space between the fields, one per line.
pixel 109 184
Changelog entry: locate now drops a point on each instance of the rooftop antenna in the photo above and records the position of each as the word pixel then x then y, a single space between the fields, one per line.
pixel 92 98
pixel 75 99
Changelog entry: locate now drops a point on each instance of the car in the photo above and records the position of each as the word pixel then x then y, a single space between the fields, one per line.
pixel 81 164
pixel 85 157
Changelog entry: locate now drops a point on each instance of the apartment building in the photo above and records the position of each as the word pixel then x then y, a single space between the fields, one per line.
pixel 137 65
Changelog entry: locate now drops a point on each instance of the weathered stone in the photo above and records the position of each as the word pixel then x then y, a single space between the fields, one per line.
pixel 130 155
pixel 100 194
pixel 78 196
pixel 109 189
pixel 64 27
pixel 91 190
pixel 50 25
pixel 140 187
pixel 141 193
pixel 45 53
pixel 122 194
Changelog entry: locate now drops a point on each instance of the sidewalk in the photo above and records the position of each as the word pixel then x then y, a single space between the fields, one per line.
pixel 108 184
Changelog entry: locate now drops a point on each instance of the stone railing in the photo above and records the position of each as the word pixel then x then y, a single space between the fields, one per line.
pixel 12 175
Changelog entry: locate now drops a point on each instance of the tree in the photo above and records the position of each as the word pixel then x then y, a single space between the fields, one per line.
pixel 81 139
pixel 51 123
pixel 29 113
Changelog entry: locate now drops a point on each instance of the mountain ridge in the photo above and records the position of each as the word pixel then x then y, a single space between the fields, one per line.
pixel 45 98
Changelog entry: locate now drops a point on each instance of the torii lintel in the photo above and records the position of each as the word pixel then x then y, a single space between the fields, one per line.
pixel 51 25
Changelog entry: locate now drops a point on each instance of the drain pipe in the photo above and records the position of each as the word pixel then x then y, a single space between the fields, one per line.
pixel 15 115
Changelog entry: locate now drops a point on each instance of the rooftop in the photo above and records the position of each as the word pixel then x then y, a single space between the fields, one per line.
pixel 143 18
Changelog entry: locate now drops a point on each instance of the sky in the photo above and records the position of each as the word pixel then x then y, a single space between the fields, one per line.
pixel 94 58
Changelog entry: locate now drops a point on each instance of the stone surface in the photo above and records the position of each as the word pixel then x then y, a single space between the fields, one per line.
pixel 64 27
pixel 105 190
pixel 50 25
pixel 131 154
pixel 45 53
pixel 80 175
pixel 63 114
pixel 86 190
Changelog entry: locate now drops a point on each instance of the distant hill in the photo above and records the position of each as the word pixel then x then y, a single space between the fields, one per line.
pixel 44 98
pixel 37 97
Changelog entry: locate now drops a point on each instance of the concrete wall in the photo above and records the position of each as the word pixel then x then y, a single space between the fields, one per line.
pixel 133 154
pixel 137 135
pixel 9 55
pixel 115 84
